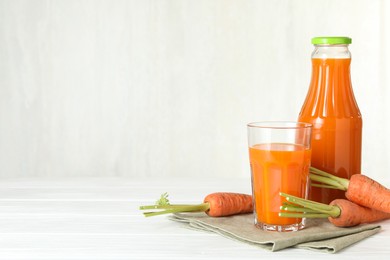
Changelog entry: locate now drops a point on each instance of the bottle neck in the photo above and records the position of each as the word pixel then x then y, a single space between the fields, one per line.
pixel 334 51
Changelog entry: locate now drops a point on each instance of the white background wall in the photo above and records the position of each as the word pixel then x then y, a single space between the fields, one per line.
pixel 165 88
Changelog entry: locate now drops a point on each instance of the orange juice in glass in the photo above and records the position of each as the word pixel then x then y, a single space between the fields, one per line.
pixel 279 154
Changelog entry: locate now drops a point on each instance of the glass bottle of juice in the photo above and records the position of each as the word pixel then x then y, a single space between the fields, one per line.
pixel 331 108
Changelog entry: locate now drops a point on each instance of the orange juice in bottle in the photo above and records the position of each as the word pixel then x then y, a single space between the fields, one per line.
pixel 331 108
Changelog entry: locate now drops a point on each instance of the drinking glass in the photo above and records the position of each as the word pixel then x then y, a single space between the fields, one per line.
pixel 279 154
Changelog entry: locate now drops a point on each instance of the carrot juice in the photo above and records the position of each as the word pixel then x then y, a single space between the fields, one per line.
pixel 277 167
pixel 331 108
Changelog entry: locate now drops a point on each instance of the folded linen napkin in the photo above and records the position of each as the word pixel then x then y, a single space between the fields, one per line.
pixel 319 234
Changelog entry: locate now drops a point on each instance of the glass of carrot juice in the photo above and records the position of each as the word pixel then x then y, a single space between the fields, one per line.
pixel 279 154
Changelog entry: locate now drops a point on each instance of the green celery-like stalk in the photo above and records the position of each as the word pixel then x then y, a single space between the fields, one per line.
pixel 163 206
pixel 327 179
pixel 302 208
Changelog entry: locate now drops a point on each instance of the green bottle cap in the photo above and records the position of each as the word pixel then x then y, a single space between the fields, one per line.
pixel 331 40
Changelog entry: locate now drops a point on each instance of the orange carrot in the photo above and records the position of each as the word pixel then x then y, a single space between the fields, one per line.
pixel 360 189
pixel 340 212
pixel 218 204
pixel 353 214
pixel 226 204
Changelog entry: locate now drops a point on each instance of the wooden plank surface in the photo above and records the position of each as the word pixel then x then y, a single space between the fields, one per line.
pixel 98 218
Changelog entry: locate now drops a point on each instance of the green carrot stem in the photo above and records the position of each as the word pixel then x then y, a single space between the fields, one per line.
pixel 332 211
pixel 290 207
pixel 325 180
pixel 320 172
pixel 304 202
pixel 163 206
pixel 175 208
pixel 341 181
pixel 321 185
pixel 302 215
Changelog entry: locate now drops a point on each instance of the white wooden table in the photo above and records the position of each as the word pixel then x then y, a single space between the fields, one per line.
pixel 98 218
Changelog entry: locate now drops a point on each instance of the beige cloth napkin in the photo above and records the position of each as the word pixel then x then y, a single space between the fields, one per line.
pixel 319 234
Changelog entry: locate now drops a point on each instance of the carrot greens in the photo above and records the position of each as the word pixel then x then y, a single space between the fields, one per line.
pixel 296 207
pixel 163 206
pixel 325 180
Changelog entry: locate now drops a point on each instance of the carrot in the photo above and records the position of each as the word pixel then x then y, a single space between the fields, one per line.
pixel 360 189
pixel 340 212
pixel 354 214
pixel 218 204
pixel 226 204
